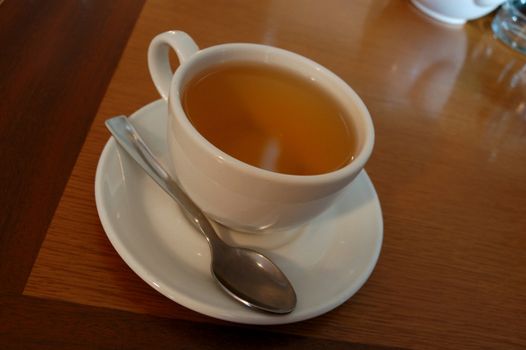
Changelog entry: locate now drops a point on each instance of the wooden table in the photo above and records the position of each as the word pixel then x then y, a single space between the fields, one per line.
pixel 449 166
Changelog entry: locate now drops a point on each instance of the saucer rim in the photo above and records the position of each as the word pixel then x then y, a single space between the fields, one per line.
pixel 250 317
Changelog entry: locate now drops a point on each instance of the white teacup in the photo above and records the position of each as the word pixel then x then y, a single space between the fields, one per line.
pixel 233 193
pixel 456 11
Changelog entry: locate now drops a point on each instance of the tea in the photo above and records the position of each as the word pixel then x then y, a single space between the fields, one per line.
pixel 270 118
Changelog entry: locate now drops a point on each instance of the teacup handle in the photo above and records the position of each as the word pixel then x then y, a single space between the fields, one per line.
pixel 158 62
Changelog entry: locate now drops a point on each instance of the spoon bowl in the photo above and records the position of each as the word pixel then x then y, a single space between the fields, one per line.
pixel 251 278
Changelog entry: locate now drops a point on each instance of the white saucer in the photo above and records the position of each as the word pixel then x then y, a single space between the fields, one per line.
pixel 327 260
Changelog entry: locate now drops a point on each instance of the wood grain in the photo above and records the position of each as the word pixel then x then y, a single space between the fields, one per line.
pixel 51 83
pixel 449 165
pixel 53 325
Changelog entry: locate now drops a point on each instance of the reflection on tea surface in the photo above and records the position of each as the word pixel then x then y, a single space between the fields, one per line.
pixel 270 118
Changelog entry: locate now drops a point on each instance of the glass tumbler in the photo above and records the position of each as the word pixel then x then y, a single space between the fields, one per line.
pixel 509 25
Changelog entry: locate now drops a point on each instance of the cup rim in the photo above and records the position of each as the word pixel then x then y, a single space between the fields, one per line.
pixel 352 168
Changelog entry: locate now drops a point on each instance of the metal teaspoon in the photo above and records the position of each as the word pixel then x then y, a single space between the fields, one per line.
pixel 246 275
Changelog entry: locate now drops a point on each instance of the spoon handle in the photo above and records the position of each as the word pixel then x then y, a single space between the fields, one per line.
pixel 130 140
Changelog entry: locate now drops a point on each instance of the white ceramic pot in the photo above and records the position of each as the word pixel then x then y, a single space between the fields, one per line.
pixel 456 11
